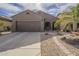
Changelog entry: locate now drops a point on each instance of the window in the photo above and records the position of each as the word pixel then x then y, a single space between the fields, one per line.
pixel 77 25
pixel 27 13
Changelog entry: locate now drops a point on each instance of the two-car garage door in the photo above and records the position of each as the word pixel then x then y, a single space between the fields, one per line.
pixel 28 26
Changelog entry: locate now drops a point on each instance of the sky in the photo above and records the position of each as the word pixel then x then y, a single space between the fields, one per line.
pixel 10 9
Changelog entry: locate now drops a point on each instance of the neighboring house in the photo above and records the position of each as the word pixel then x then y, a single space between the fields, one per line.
pixel 29 21
pixel 76 25
pixel 6 23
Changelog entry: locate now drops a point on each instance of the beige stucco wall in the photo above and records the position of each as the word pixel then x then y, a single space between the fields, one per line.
pixel 30 17
pixel 13 28
pixel 30 20
pixel 47 17
pixel 40 18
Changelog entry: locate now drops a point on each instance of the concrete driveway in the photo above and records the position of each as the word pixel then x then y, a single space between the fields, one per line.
pixel 20 43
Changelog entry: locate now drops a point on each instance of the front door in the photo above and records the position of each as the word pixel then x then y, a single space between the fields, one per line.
pixel 47 26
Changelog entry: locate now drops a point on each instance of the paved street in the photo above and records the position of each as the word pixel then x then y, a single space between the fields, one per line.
pixel 20 44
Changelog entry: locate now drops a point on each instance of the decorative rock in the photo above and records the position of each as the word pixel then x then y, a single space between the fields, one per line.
pixel 46 33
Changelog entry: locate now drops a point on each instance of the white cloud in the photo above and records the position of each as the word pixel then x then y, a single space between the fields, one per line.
pixel 37 6
pixel 9 7
pixel 31 6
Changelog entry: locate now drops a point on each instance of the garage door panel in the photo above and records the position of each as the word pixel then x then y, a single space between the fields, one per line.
pixel 28 26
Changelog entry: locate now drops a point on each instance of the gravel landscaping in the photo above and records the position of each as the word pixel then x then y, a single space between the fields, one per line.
pixel 49 47
pixel 72 43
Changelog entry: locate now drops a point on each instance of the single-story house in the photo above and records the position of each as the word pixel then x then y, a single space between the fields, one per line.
pixel 29 21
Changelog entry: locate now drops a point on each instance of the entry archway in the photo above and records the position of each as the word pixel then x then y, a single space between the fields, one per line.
pixel 47 26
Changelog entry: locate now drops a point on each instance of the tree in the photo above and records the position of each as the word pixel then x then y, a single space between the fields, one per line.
pixel 75 15
pixel 2 24
pixel 69 16
pixel 64 19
